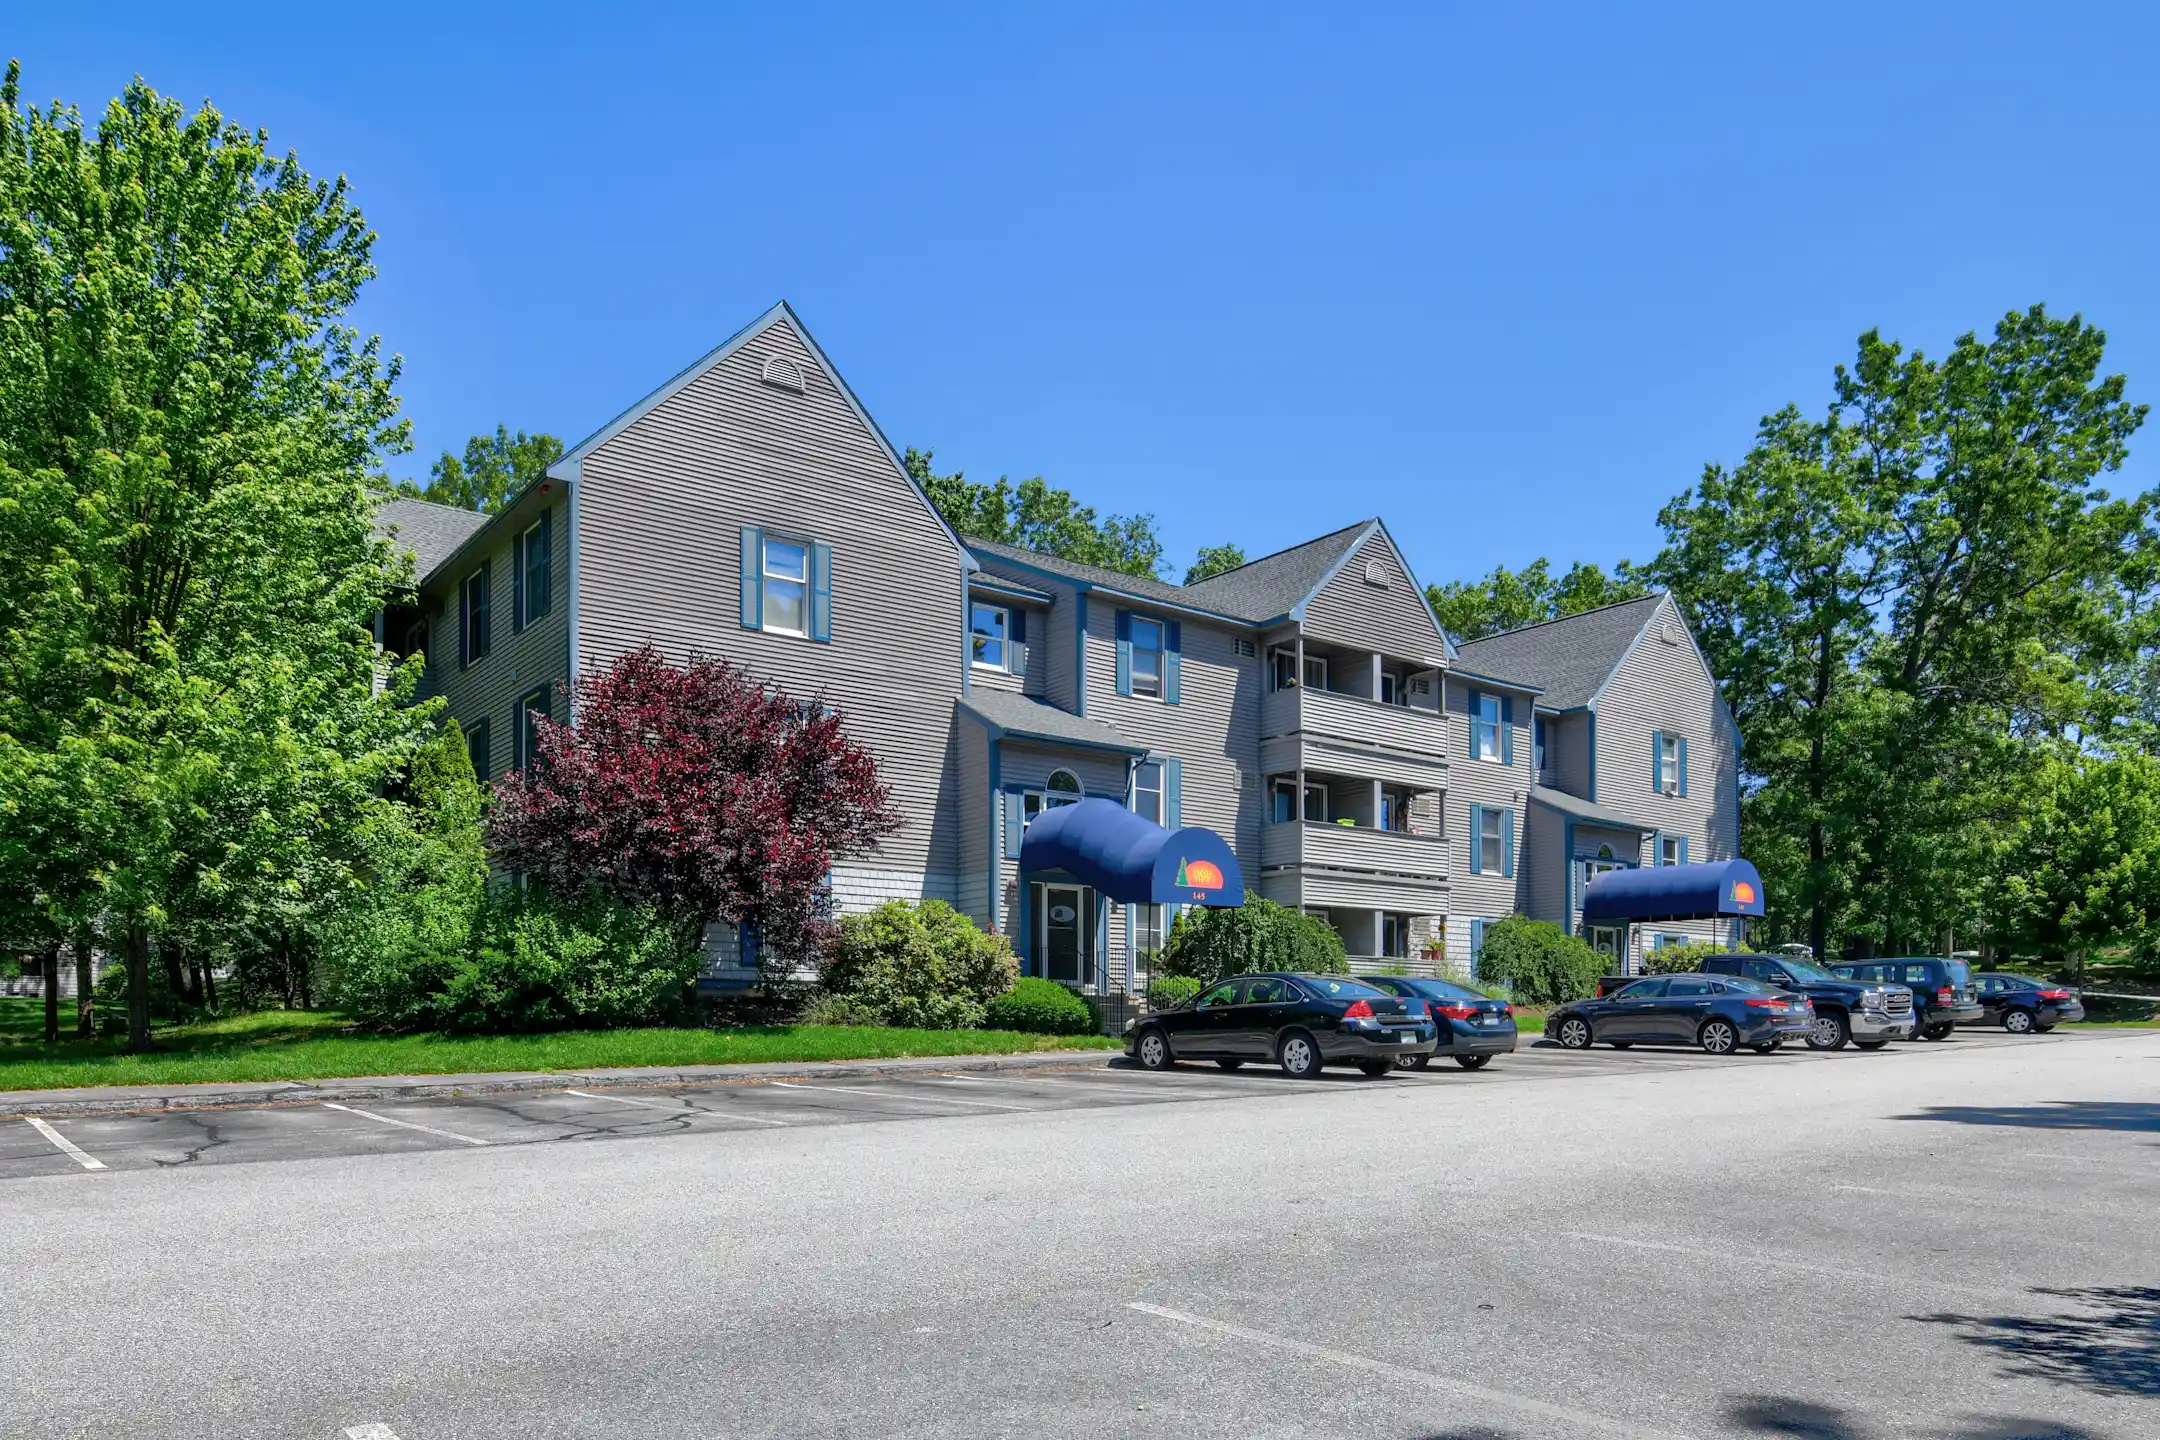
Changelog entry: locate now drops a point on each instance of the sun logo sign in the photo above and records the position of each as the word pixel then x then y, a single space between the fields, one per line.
pixel 1743 893
pixel 1199 875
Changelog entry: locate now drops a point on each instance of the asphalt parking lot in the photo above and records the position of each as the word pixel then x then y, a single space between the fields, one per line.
pixel 174 1139
pixel 1936 1242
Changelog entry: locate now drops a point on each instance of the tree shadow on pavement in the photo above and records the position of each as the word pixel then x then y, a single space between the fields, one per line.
pixel 2056 1115
pixel 1808 1420
pixel 2112 1348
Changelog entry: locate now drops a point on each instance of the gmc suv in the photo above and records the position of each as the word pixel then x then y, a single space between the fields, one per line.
pixel 1942 987
pixel 1869 1016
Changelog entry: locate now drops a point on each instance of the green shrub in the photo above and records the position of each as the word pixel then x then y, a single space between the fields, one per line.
pixel 1167 991
pixel 1678 959
pixel 1208 944
pixel 1035 1006
pixel 834 1010
pixel 925 966
pixel 1538 962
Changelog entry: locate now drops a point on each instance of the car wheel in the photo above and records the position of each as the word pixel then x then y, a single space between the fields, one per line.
pixel 1376 1068
pixel 1718 1037
pixel 1767 1047
pixel 1300 1056
pixel 1869 1044
pixel 1830 1032
pixel 1153 1051
pixel 1414 1062
pixel 2018 1022
pixel 1574 1033
pixel 1473 1062
pixel 1939 1032
pixel 1230 1064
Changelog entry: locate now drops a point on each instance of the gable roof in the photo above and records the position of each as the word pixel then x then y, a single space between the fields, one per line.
pixel 1275 585
pixel 781 313
pixel 429 532
pixel 1570 658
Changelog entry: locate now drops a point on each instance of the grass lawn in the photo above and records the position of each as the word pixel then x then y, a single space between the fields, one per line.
pixel 319 1044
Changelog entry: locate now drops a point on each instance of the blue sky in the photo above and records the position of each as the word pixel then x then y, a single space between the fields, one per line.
pixel 1508 280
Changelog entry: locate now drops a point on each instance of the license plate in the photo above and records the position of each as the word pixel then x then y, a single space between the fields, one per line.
pixel 1488 1019
pixel 1407 1038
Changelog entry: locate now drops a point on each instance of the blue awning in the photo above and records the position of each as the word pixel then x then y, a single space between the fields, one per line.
pixel 1674 892
pixel 1132 860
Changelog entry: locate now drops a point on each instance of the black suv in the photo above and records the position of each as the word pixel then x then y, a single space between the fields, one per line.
pixel 1868 1015
pixel 1943 989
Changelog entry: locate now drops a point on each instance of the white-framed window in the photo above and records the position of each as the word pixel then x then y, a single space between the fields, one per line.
pixel 1062 788
pixel 1392 690
pixel 1147 657
pixel 1485 727
pixel 476 630
pixel 1668 764
pixel 785 570
pixel 1537 741
pixel 1150 929
pixel 1666 937
pixel 1395 810
pixel 1395 935
pixel 1282 669
pixel 1316 672
pixel 1148 791
pixel 1672 849
pixel 1492 854
pixel 536 553
pixel 1283 800
pixel 990 627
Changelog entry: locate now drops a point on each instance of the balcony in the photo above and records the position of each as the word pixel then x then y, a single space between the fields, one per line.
pixel 1333 714
pixel 1354 847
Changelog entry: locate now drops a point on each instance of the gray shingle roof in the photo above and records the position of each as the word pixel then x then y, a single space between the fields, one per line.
pixel 1258 591
pixel 431 532
pixel 1569 658
pixel 1583 809
pixel 1276 584
pixel 1021 717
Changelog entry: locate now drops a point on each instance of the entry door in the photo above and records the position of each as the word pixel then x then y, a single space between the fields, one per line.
pixel 1068 930
pixel 1605 939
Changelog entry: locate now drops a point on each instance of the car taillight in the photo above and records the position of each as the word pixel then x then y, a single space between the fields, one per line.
pixel 2054 994
pixel 1765 1003
pixel 1946 996
pixel 1358 1010
pixel 1455 1012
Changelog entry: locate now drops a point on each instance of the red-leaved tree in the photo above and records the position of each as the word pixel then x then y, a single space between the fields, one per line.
pixel 700 791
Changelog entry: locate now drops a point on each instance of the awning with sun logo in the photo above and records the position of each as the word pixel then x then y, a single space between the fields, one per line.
pixel 1673 892
pixel 1132 860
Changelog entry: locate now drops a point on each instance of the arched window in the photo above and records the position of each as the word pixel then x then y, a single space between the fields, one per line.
pixel 1064 788
pixel 1604 852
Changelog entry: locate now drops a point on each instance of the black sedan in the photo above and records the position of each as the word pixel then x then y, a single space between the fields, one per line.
pixel 1301 1022
pixel 1468 1028
pixel 2023 1005
pixel 1720 1013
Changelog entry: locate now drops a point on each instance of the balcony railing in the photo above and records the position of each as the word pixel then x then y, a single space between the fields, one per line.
pixel 1352 717
pixel 1353 847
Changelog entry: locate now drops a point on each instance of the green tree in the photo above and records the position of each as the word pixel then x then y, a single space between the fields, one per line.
pixel 1034 515
pixel 1208 944
pixel 1214 560
pixel 2082 866
pixel 189 443
pixel 493 469
pixel 1509 599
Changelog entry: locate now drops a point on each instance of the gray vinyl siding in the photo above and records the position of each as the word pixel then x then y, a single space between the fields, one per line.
pixel 1568 741
pixel 1665 687
pixel 1492 784
pixel 975 819
pixel 1029 682
pixel 1214 730
pixel 517 661
pixel 660 508
pixel 1394 619
pixel 1544 855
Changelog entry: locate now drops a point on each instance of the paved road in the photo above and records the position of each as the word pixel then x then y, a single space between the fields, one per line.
pixel 1950 1240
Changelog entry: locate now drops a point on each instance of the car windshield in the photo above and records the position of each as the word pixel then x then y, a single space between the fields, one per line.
pixel 1339 989
pixel 1802 970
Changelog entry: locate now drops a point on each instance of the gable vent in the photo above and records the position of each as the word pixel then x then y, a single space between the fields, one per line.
pixel 1669 632
pixel 783 374
pixel 1376 573
pixel 1239 645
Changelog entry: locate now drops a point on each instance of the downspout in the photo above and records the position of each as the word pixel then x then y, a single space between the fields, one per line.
pixel 570 609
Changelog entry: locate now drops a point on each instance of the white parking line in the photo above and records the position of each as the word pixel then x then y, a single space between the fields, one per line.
pixel 1750 1256
pixel 401 1124
pixel 67 1147
pixel 377 1431
pixel 899 1095
pixel 1522 1403
pixel 675 1109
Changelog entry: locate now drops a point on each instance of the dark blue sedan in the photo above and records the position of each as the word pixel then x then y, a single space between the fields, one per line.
pixel 1719 1013
pixel 1472 1028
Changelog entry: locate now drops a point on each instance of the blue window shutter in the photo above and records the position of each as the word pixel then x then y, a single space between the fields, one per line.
pixel 753 590
pixel 1477 944
pixel 517 585
pixel 1657 849
pixel 1657 751
pixel 1683 849
pixel 1172 662
pixel 1124 652
pixel 1472 707
pixel 1477 839
pixel 1013 821
pixel 1683 766
pixel 464 624
pixel 1173 794
pixel 1507 730
pixel 820 591
pixel 1507 842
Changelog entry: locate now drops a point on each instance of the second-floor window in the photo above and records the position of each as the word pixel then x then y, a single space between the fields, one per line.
pixel 787 585
pixel 476 630
pixel 1148 790
pixel 1392 689
pixel 1492 852
pixel 1671 771
pixel 1485 727
pixel 1284 801
pixel 991 632
pixel 1147 657
pixel 1537 741
pixel 536 555
pixel 1282 669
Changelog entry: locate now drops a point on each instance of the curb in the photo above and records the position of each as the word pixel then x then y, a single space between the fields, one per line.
pixel 313 1092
